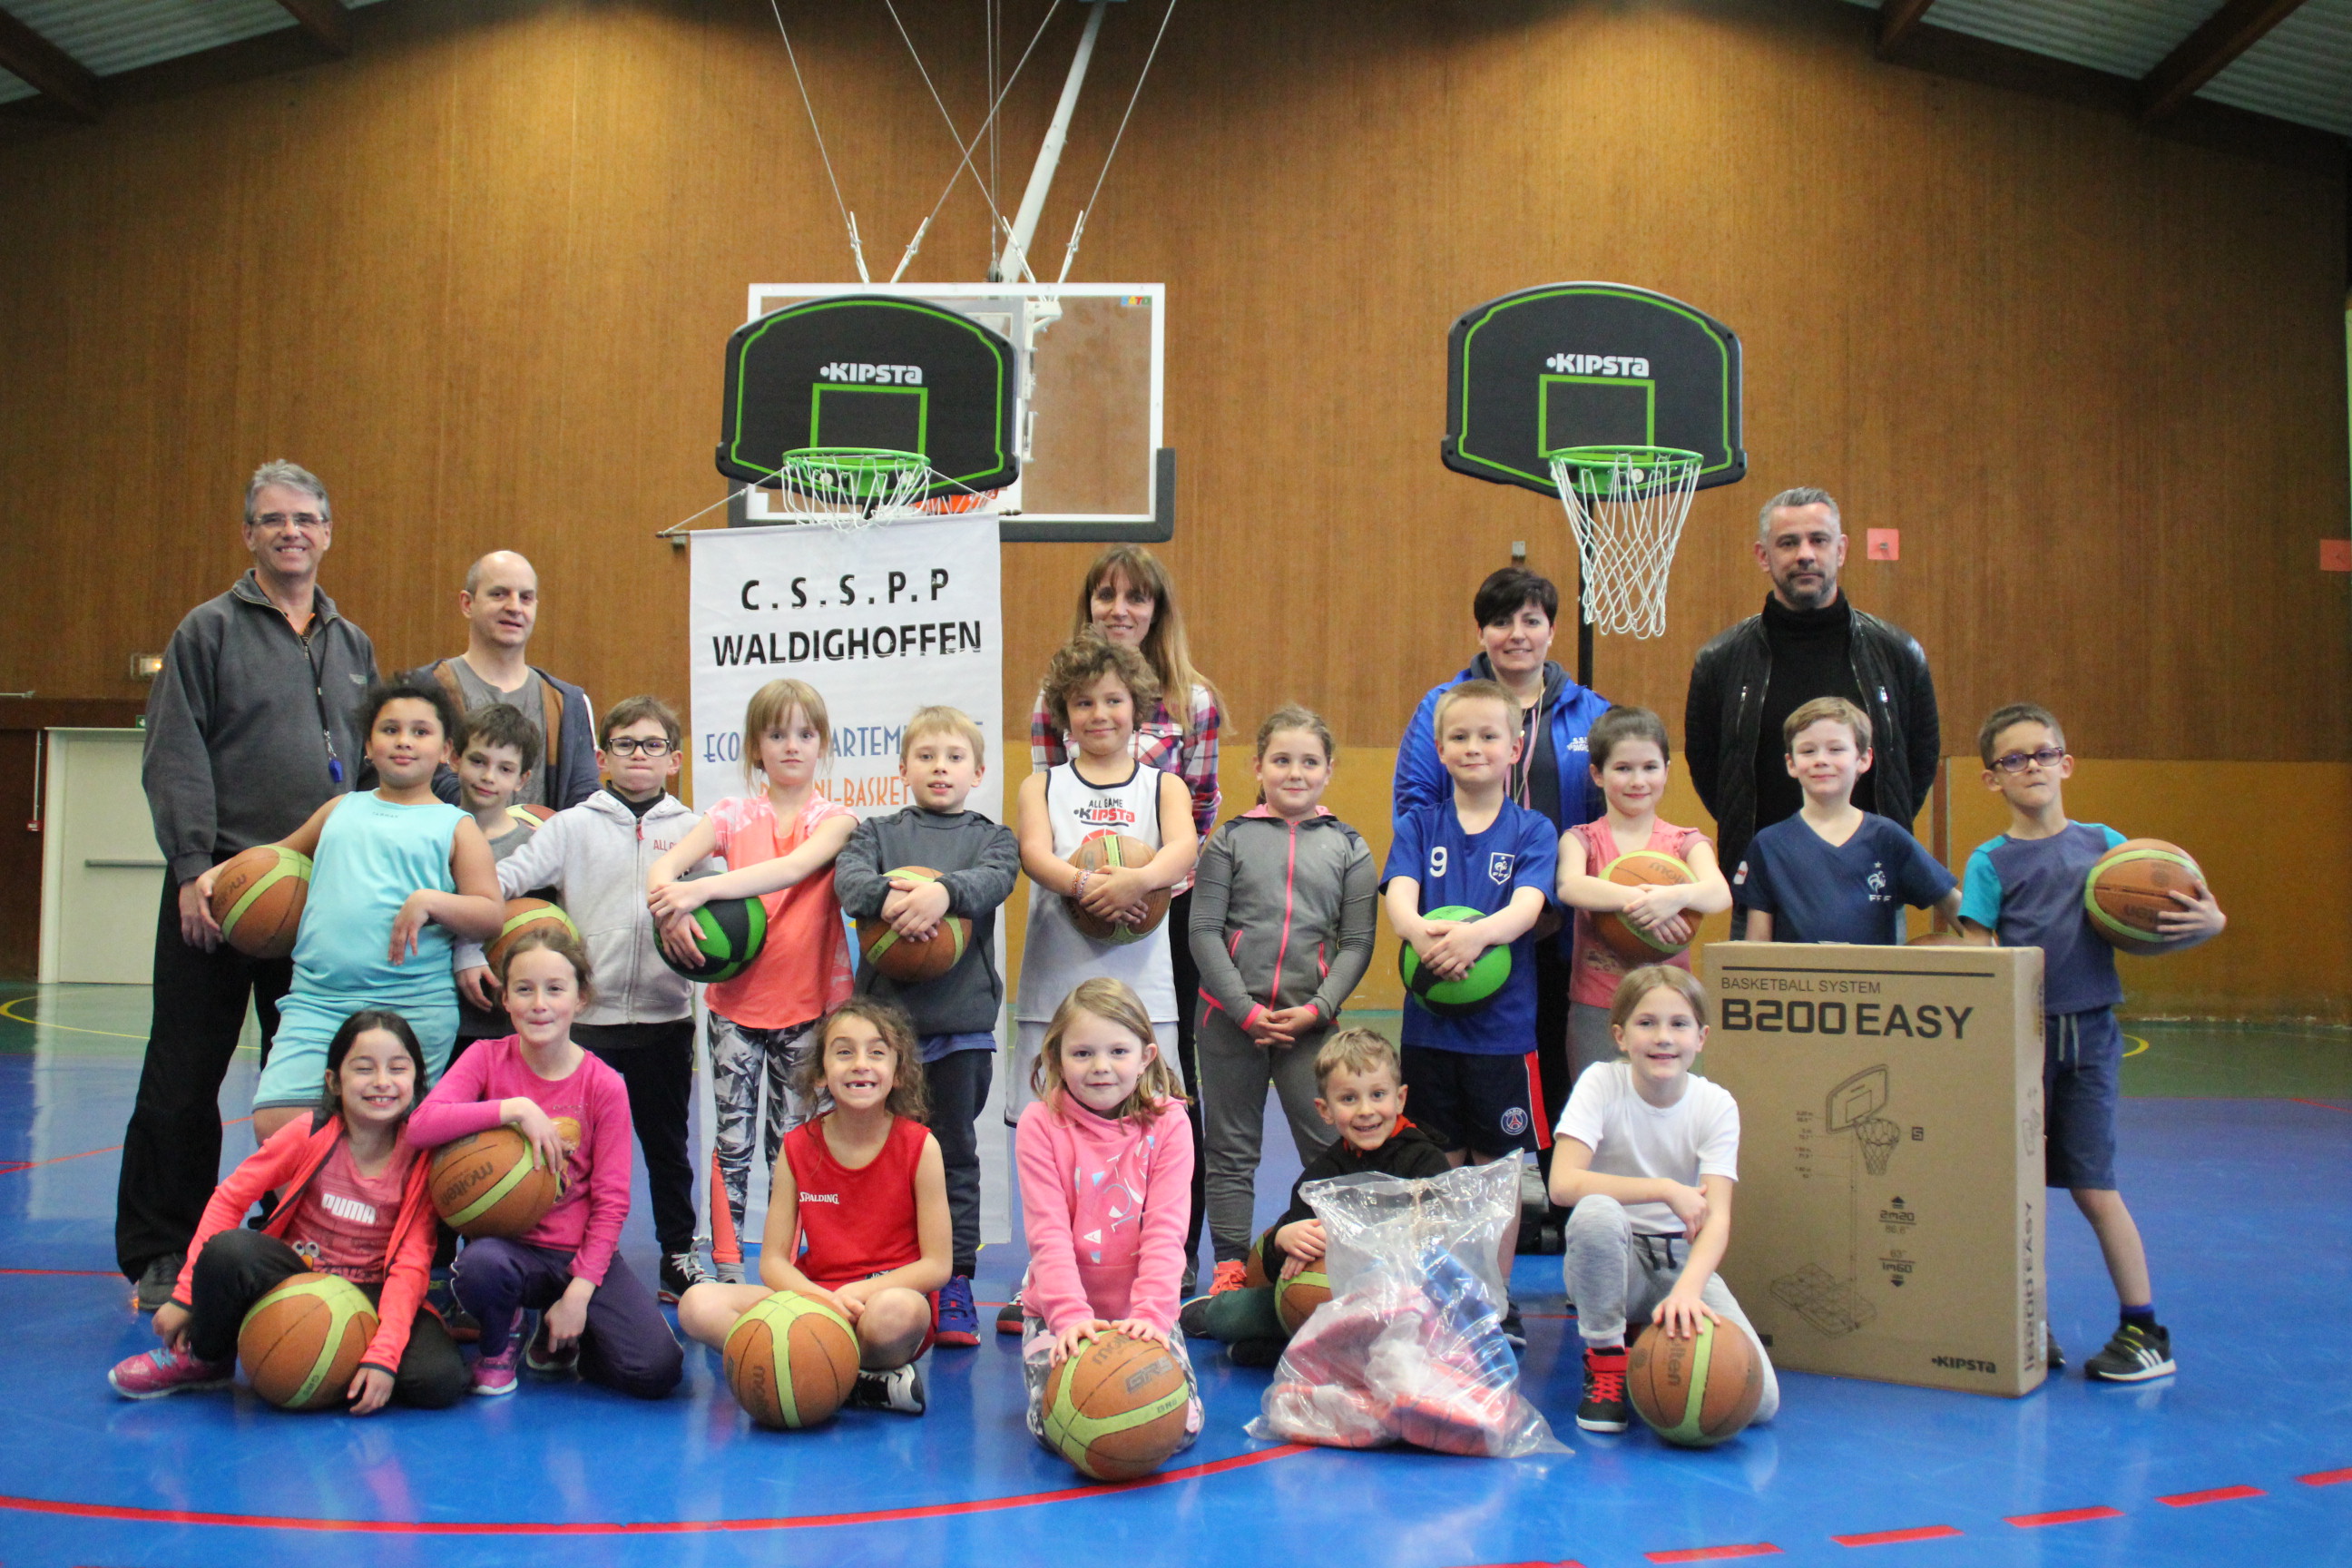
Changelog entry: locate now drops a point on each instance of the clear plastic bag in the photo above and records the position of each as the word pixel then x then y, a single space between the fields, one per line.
pixel 1410 1349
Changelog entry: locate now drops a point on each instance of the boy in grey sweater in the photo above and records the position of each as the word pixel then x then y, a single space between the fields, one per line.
pixel 942 757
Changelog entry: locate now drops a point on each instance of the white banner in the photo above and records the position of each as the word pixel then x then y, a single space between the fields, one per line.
pixel 881 622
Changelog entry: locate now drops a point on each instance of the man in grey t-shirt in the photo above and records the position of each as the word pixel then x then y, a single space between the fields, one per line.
pixel 501 603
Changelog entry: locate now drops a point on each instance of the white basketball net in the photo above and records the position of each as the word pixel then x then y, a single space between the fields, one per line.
pixel 851 487
pixel 1627 505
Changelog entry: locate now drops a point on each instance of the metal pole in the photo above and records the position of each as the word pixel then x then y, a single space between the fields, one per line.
pixel 1015 260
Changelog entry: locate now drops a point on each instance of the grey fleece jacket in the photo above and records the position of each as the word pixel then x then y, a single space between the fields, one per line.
pixel 248 725
pixel 1282 915
pixel 979 861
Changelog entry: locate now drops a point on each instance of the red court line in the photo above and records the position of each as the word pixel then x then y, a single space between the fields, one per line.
pixel 1896 1537
pixel 2063 1516
pixel 12 1167
pixel 2321 1104
pixel 2326 1477
pixel 2218 1494
pixel 647 1527
pixel 1715 1553
pixel 75 1273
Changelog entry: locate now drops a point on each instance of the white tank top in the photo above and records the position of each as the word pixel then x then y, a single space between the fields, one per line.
pixel 1057 955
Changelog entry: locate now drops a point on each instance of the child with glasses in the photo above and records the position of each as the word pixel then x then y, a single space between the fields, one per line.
pixel 2026 888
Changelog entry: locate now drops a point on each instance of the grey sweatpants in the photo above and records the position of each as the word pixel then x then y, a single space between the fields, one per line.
pixel 1614 1276
pixel 1234 1073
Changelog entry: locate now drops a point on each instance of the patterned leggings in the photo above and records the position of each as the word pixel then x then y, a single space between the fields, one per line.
pixel 740 1058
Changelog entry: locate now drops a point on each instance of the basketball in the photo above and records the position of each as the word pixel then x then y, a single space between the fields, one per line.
pixel 1112 851
pixel 522 915
pixel 1451 998
pixel 530 816
pixel 791 1360
pixel 483 1184
pixel 1116 1408
pixel 1642 869
pixel 910 963
pixel 301 1345
pixel 1697 1392
pixel 729 933
pixel 257 897
pixel 2130 886
pixel 1295 1299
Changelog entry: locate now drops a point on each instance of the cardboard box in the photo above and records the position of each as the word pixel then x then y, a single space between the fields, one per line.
pixel 1889 1220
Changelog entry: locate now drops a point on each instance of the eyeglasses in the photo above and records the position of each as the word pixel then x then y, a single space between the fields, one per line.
pixel 2048 757
pixel 289 519
pixel 630 746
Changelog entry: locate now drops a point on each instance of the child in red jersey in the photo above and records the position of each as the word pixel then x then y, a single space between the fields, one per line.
pixel 858 1207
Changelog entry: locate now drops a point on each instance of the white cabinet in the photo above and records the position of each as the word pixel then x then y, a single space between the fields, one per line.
pixel 102 873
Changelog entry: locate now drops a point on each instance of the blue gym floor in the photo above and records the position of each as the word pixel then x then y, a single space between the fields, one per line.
pixel 2246 1456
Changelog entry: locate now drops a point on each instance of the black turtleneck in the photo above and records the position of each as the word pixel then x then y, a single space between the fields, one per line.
pixel 1812 657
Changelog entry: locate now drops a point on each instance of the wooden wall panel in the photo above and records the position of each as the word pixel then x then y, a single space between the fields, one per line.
pixel 478 273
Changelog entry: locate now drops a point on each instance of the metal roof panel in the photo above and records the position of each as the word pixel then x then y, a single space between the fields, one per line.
pixel 111 36
pixel 2301 70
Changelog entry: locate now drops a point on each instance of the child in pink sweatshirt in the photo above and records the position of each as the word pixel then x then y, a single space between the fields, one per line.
pixel 1105 1189
pixel 574 1109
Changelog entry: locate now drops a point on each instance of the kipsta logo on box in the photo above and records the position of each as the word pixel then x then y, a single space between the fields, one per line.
pixel 1632 365
pixel 887 374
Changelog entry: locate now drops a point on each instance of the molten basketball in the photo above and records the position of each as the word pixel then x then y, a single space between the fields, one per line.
pixel 1642 869
pixel 728 933
pixel 1114 851
pixel 530 816
pixel 907 962
pixel 522 915
pixel 792 1361
pixel 1115 1409
pixel 257 897
pixel 1451 998
pixel 1696 1392
pixel 301 1345
pixel 2131 885
pixel 1295 1299
pixel 483 1184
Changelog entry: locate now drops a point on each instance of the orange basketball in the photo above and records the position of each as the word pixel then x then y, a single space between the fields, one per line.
pixel 483 1184
pixel 791 1360
pixel 1295 1299
pixel 2131 885
pixel 1116 1408
pixel 530 816
pixel 1697 1392
pixel 257 897
pixel 301 1345
pixel 1112 851
pixel 522 915
pixel 1642 869
pixel 910 963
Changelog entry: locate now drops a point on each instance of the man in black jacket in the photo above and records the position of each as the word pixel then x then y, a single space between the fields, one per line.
pixel 1809 642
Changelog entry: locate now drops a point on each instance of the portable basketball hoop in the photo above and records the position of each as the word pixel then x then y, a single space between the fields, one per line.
pixel 1627 506
pixel 851 487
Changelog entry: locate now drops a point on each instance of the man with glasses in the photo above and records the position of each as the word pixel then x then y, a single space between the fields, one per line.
pixel 500 604
pixel 250 728
pixel 1809 642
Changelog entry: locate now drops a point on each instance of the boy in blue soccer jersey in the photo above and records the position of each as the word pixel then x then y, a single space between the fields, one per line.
pixel 1834 872
pixel 1471 1075
pixel 2026 888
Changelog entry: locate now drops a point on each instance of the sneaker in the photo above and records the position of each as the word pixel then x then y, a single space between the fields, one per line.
pixel 1233 1274
pixel 900 1389
pixel 1513 1329
pixel 159 1372
pixel 1604 1408
pixel 1008 1316
pixel 728 1272
pixel 2054 1354
pixel 443 1298
pixel 157 1281
pixel 1192 1317
pixel 959 1321
pixel 543 1360
pixel 2134 1355
pixel 495 1375
pixel 680 1271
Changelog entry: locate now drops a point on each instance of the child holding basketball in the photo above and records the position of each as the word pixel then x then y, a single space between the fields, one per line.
pixel 1106 1169
pixel 1649 1156
pixel 1282 931
pixel 496 750
pixel 858 1210
pixel 780 842
pixel 1630 759
pixel 1834 872
pixel 2025 888
pixel 596 1315
pixel 395 876
pixel 352 1202
pixel 593 859
pixel 942 756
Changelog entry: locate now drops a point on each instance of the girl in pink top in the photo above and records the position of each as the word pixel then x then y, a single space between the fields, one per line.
pixel 857 1208
pixel 1106 1167
pixel 596 1315
pixel 780 843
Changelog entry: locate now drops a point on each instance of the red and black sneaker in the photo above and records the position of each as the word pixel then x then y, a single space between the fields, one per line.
pixel 1604 1408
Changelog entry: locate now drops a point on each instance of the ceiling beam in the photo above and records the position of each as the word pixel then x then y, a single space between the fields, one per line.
pixel 2230 32
pixel 42 65
pixel 1896 17
pixel 326 21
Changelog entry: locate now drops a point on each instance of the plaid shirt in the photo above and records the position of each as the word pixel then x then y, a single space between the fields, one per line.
pixel 1159 741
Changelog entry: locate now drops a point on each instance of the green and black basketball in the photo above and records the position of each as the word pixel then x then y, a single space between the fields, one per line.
pixel 1453 998
pixel 729 933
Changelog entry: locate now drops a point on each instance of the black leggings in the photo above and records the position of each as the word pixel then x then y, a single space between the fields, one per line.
pixel 1187 976
pixel 237 1267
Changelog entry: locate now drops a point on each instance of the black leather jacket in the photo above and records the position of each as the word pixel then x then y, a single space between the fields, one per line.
pixel 1726 703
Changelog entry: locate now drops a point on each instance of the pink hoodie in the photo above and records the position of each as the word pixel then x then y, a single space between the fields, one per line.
pixel 1104 1203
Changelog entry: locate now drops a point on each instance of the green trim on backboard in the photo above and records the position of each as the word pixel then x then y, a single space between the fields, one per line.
pixel 922 396
pixel 1648 385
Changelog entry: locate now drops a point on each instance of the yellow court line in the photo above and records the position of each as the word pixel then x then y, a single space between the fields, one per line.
pixel 44 1024
pixel 2139 1044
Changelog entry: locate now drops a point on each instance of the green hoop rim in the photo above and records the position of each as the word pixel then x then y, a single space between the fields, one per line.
pixel 1581 468
pixel 863 472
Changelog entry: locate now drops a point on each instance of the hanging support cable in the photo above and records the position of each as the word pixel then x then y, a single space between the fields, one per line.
pixel 997 218
pixel 1078 227
pixel 848 218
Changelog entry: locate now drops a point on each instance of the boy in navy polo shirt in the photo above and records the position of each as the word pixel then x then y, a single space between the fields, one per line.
pixel 1471 1076
pixel 1834 872
pixel 2026 888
